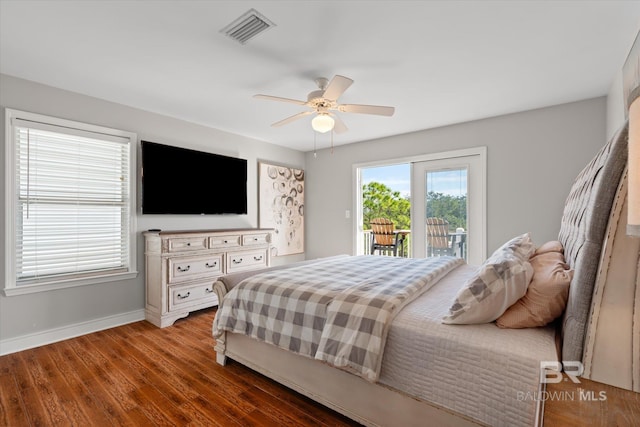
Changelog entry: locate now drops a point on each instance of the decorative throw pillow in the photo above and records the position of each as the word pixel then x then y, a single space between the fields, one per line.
pixel 500 281
pixel 546 297
pixel 550 246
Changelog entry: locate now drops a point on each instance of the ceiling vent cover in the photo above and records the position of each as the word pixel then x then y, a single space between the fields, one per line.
pixel 247 26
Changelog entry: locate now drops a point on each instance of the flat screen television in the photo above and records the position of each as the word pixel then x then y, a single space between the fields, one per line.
pixel 180 181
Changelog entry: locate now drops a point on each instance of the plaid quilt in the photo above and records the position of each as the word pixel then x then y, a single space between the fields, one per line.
pixel 337 310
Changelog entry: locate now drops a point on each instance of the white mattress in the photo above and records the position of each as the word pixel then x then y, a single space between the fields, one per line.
pixel 484 372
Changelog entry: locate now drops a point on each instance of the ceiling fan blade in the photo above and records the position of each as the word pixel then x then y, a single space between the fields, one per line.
pixel 292 118
pixel 277 98
pixel 336 87
pixel 366 109
pixel 338 125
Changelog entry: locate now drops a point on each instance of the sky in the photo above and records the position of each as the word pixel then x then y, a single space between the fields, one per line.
pixel 398 178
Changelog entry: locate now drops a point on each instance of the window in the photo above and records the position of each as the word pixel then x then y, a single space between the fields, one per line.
pixel 70 217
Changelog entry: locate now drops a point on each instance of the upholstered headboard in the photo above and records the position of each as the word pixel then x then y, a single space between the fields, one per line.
pixel 584 222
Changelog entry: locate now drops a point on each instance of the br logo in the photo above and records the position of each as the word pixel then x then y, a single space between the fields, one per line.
pixel 551 371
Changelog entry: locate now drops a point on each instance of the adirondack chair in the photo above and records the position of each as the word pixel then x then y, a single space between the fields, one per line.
pixel 384 238
pixel 438 242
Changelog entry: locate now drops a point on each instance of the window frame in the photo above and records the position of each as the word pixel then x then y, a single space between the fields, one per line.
pixel 11 205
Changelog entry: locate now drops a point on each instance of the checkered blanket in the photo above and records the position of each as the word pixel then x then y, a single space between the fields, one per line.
pixel 337 310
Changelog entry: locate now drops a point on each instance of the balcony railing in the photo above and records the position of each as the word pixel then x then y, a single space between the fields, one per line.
pixel 405 251
pixel 457 246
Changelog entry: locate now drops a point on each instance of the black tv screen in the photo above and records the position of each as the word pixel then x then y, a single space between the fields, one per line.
pixel 180 181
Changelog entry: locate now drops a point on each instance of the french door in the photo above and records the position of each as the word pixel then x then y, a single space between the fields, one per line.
pixel 448 209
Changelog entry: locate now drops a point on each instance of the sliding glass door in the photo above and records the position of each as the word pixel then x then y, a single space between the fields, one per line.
pixel 437 203
pixel 448 208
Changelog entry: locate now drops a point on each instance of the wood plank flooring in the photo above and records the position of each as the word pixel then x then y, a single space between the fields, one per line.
pixel 590 403
pixel 140 375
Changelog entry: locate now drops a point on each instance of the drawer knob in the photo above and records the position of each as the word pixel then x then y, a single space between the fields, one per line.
pixel 214 264
pixel 207 290
pixel 226 241
pixel 255 239
pixel 257 258
pixel 182 270
pixel 180 296
pixel 189 244
pixel 237 260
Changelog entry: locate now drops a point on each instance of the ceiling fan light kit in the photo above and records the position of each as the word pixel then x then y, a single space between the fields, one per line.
pixel 324 100
pixel 322 123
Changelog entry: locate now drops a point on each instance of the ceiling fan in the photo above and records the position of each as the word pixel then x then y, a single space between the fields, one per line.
pixel 325 100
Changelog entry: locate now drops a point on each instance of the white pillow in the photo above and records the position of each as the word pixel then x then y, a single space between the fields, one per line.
pixel 499 283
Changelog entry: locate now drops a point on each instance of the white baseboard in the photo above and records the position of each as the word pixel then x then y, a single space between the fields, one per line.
pixel 37 339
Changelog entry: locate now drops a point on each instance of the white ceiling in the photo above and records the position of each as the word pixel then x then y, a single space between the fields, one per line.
pixel 437 62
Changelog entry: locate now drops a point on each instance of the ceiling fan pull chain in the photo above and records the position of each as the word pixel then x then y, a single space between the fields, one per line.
pixel 315 153
pixel 332 141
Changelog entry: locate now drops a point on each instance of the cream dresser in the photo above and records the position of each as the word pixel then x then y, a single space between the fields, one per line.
pixel 181 267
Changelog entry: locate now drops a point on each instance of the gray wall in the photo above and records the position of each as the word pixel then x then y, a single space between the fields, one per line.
pixel 28 314
pixel 532 160
pixel 616 106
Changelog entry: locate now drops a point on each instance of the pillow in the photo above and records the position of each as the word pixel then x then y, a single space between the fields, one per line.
pixel 546 297
pixel 500 281
pixel 551 246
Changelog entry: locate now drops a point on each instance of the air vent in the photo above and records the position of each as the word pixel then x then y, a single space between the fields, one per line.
pixel 247 26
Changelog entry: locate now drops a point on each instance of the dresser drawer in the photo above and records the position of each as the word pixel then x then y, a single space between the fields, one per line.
pixel 238 261
pixel 185 244
pixel 229 241
pixel 181 267
pixel 187 268
pixel 194 294
pixel 255 239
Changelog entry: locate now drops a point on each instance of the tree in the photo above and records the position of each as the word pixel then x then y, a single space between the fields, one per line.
pixel 451 208
pixel 378 200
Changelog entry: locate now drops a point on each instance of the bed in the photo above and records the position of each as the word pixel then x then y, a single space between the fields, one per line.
pixel 422 369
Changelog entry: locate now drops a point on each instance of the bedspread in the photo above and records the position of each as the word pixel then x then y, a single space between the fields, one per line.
pixel 336 310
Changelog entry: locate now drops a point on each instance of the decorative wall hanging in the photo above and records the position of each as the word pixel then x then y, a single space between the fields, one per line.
pixel 281 206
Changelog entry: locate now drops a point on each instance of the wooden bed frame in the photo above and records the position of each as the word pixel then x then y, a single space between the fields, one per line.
pixel 374 404
pixel 367 403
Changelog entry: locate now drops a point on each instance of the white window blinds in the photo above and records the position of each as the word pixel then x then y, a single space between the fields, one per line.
pixel 72 203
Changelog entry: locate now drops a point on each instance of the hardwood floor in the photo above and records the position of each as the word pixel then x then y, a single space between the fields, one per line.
pixel 590 403
pixel 140 375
